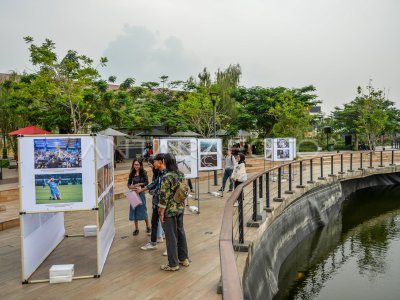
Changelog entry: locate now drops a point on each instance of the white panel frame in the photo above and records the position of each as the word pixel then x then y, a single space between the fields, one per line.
pixel 28 172
pixel 163 148
pixel 218 152
pixel 39 243
pixel 272 149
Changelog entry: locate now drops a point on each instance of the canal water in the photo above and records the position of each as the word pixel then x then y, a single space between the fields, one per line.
pixel 355 257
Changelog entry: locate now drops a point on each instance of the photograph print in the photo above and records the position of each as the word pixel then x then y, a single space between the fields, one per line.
pixel 282 153
pixel 101 213
pixel 208 146
pixel 283 143
pixel 58 188
pixel 268 143
pixel 268 154
pixel 184 164
pixel 208 160
pixel 179 147
pixel 57 153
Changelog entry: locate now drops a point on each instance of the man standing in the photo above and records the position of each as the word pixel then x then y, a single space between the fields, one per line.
pixel 229 163
pixel 171 215
pixel 154 186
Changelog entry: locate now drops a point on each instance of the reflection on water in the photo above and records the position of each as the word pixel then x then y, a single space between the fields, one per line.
pixel 355 257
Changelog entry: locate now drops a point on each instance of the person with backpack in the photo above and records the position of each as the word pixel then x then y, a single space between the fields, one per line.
pixel 171 206
pixel 229 166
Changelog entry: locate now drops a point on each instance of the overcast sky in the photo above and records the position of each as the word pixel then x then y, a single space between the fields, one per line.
pixel 335 45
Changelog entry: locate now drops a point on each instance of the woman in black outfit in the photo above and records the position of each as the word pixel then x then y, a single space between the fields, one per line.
pixel 138 178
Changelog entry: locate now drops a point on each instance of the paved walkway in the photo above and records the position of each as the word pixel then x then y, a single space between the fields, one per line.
pixel 129 273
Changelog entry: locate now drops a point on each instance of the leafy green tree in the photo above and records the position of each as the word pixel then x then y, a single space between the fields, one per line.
pixel 196 110
pixel 369 115
pixel 290 116
pixel 66 85
pixel 269 109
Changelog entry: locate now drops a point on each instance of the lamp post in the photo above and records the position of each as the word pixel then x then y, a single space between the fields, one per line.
pixel 213 97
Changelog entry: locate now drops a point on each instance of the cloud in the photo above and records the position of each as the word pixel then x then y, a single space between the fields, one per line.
pixel 145 56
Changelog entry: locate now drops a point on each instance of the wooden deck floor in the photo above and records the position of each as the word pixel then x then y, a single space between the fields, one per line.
pixel 129 272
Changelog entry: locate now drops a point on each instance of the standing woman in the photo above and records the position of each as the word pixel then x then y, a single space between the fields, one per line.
pixel 138 178
pixel 171 215
pixel 239 174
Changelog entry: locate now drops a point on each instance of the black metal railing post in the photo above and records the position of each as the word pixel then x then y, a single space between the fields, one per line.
pixel 322 169
pixel 254 217
pixel 267 193
pixel 351 163
pixel 341 164
pixel 361 162
pixel 311 172
pixel 331 174
pixel 290 191
pixel 300 185
pixel 260 186
pixel 381 165
pixel 279 197
pixel 241 222
pixel 370 161
pixel 392 163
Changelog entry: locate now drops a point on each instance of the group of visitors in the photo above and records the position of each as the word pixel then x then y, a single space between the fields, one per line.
pixel 167 214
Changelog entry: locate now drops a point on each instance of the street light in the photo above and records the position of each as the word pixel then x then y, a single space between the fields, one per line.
pixel 213 97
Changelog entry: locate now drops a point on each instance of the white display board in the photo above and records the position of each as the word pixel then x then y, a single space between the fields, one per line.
pixel 279 149
pixel 209 154
pixel 185 152
pixel 41 233
pixel 56 173
pixel 105 198
pixel 64 173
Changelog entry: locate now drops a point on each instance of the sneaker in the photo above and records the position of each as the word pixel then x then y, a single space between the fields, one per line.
pixel 236 204
pixel 185 262
pixel 148 230
pixel 136 232
pixel 169 268
pixel 160 239
pixel 165 253
pixel 149 246
pixel 230 191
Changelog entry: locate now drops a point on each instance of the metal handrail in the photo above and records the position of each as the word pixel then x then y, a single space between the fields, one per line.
pixel 230 278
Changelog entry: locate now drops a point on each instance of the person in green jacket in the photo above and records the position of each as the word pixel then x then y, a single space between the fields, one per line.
pixel 171 216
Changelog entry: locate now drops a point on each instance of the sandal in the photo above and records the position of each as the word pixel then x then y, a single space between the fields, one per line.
pixel 136 232
pixel 169 268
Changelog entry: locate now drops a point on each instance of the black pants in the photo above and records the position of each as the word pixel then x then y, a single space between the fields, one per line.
pixel 176 239
pixel 154 226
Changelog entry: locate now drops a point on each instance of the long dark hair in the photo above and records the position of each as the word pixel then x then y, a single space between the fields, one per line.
pixel 242 159
pixel 170 163
pixel 141 170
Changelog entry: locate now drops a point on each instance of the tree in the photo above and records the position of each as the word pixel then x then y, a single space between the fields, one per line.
pixel 369 115
pixel 196 111
pixel 66 85
pixel 266 108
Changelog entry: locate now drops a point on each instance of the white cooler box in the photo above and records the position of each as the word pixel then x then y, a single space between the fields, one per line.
pixel 90 230
pixel 61 273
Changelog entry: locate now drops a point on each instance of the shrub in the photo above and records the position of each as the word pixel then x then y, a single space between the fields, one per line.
pixel 4 163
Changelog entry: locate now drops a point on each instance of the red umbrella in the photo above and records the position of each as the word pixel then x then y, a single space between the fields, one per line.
pixel 30 130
